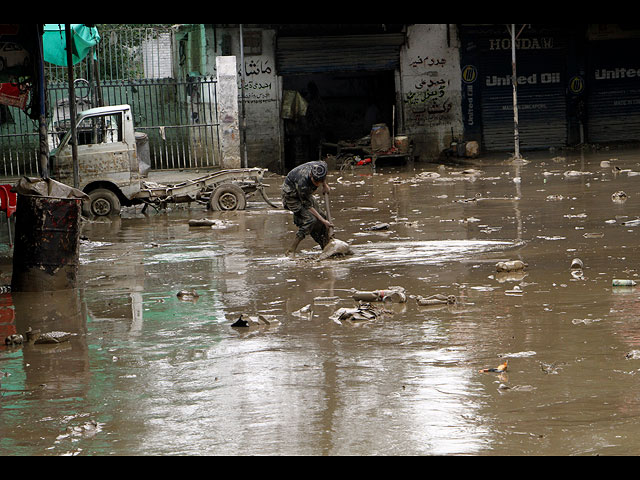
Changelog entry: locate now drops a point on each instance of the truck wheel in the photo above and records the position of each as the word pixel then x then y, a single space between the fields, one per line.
pixel 101 203
pixel 228 197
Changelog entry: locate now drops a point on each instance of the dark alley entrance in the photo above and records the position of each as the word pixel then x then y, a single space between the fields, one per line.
pixel 341 106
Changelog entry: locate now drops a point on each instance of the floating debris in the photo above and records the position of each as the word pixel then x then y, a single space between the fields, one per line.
pixel 378 227
pixel 617 282
pixel 500 369
pixel 631 223
pixel 575 173
pixel 365 312
pixel 619 197
pixel 260 320
pixel 15 339
pixel 477 197
pixel 549 368
pixel 577 264
pixel 188 295
pixel 304 312
pixel 438 299
pixel 554 198
pixel 335 248
pixel 207 222
pixel 392 294
pixel 511 266
pixel 517 291
pixel 326 300
pixel 50 338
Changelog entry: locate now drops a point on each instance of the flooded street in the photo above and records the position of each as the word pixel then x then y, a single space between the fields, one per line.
pixel 149 373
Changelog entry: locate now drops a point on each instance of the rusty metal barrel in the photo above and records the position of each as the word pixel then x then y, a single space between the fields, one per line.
pixel 46 252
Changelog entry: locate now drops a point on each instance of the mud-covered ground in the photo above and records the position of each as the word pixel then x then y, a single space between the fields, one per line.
pixel 149 373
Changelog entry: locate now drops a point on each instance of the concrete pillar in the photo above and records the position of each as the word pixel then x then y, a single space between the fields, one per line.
pixel 227 91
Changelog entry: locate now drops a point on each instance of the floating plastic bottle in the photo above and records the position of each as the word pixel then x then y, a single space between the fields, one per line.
pixel 393 294
pixel 617 282
pixel 511 266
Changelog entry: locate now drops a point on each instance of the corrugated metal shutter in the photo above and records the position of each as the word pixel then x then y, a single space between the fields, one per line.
pixel 542 107
pixel 305 55
pixel 542 99
pixel 613 99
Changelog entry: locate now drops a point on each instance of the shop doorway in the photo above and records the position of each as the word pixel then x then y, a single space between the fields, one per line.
pixel 341 107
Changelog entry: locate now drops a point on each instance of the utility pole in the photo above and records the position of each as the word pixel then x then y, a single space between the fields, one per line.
pixel 243 122
pixel 72 106
pixel 42 117
pixel 514 82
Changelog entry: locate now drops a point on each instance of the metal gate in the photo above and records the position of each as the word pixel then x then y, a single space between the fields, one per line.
pixel 136 65
pixel 179 117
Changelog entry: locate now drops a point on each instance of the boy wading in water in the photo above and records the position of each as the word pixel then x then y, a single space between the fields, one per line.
pixel 297 197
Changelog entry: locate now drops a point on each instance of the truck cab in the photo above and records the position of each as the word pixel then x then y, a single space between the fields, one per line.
pixel 110 169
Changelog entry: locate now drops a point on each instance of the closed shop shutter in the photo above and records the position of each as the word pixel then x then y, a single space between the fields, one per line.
pixel 306 55
pixel 542 108
pixel 541 67
pixel 613 99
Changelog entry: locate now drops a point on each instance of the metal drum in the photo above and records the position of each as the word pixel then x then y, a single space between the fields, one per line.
pixel 46 252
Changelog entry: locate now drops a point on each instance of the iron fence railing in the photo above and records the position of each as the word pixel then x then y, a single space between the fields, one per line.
pixel 135 67
pixel 179 117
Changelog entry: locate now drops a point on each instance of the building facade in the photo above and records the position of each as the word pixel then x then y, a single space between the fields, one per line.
pixel 435 83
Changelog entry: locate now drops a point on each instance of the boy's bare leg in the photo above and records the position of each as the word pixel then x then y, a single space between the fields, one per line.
pixel 291 252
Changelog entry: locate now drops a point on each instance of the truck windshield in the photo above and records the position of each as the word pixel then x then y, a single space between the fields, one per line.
pixel 100 129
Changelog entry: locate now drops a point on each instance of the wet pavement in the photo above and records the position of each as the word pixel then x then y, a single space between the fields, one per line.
pixel 149 373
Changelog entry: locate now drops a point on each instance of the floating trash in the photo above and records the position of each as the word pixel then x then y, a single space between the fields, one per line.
pixel 52 337
pixel 188 295
pixel 365 312
pixel 326 300
pixel 619 197
pixel 392 294
pixel 499 369
pixel 517 291
pixel 260 320
pixel 511 266
pixel 577 264
pixel 438 299
pixel 617 282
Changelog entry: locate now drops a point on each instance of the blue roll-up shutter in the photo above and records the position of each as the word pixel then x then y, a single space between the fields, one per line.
pixel 613 98
pixel 541 66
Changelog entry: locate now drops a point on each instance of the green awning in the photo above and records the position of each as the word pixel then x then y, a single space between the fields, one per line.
pixel 54 42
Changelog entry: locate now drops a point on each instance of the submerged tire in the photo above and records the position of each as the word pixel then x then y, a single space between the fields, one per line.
pixel 227 197
pixel 102 203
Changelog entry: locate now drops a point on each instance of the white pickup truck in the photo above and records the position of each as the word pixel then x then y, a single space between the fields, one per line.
pixel 113 172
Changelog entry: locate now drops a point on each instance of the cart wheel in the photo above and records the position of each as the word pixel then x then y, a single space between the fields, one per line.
pixel 228 197
pixel 101 203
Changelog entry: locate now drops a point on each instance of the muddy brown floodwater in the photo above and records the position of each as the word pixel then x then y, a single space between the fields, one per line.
pixel 151 374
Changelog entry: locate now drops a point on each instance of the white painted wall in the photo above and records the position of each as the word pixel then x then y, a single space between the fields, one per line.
pixel 262 95
pixel 228 111
pixel 430 88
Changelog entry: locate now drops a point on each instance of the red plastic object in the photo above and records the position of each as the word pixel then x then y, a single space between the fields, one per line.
pixel 8 205
pixel 8 200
